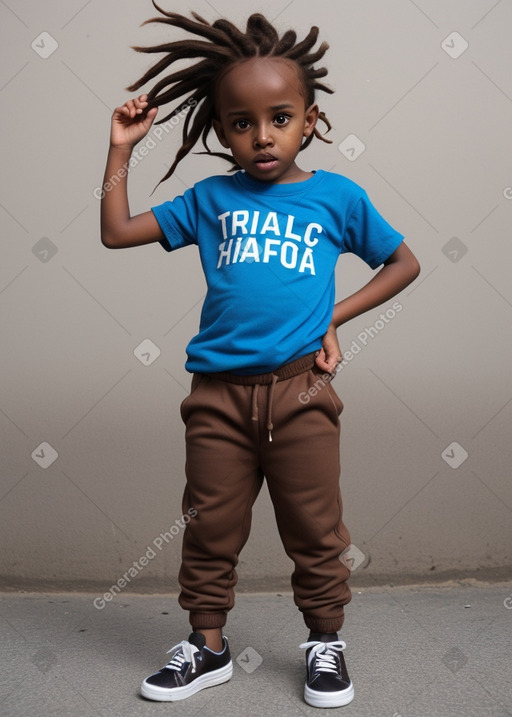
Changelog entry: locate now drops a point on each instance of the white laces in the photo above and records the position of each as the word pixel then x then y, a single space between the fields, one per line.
pixel 326 654
pixel 185 652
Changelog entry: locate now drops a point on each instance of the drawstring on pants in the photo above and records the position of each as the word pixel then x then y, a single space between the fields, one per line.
pixel 270 425
pixel 254 416
pixel 294 368
pixel 254 402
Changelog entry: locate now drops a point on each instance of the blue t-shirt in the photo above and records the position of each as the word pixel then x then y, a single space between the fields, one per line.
pixel 269 252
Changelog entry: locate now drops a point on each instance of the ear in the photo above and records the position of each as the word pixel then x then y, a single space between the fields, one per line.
pixel 217 126
pixel 310 119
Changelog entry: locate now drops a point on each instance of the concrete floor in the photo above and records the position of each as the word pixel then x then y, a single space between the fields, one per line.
pixel 422 651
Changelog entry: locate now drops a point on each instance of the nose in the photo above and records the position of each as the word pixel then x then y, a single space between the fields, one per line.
pixel 263 136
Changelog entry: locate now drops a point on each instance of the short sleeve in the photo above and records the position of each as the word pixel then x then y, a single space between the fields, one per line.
pixel 178 220
pixel 369 235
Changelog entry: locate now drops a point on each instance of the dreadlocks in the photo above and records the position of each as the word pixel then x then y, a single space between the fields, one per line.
pixel 225 45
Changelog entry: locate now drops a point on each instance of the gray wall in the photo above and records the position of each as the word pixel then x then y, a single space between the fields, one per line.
pixel 426 439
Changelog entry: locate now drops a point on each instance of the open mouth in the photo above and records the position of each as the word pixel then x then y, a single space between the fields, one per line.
pixel 265 161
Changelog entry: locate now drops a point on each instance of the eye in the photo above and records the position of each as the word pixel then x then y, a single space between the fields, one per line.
pixel 282 119
pixel 241 124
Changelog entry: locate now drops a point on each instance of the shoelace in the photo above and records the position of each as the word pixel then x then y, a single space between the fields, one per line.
pixel 185 652
pixel 326 654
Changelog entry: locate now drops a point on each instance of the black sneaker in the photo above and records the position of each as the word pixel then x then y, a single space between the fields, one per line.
pixel 327 682
pixel 192 667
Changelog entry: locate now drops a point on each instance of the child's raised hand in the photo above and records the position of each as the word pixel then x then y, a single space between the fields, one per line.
pixel 128 126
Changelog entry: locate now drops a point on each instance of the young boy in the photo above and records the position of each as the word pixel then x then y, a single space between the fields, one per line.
pixel 269 237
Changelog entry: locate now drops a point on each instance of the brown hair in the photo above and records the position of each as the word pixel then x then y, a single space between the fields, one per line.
pixel 225 44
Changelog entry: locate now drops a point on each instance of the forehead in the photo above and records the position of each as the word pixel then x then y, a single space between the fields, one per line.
pixel 259 79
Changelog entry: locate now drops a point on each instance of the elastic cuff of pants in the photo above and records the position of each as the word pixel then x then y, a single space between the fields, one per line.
pixel 207 620
pixel 318 624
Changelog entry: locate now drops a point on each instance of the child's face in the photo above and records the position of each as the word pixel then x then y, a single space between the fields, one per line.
pixel 262 118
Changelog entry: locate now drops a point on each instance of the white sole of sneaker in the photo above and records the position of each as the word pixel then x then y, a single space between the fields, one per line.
pixel 328 699
pixel 210 679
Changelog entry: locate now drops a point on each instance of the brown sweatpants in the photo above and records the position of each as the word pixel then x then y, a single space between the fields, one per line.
pixel 283 427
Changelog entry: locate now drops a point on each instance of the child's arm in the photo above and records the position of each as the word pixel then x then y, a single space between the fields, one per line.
pixel 118 228
pixel 399 270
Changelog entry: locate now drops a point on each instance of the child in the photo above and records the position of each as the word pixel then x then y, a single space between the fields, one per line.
pixel 269 237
